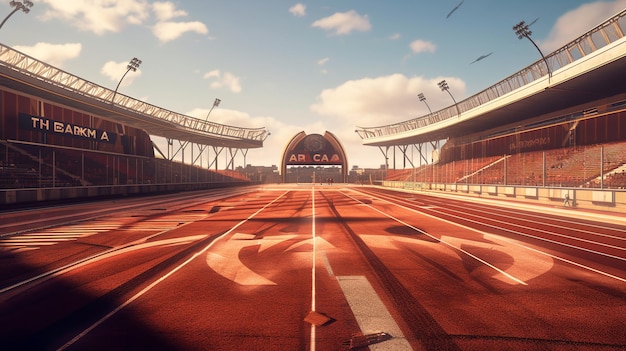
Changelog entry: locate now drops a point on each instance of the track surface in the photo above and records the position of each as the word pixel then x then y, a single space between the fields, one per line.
pixel 306 267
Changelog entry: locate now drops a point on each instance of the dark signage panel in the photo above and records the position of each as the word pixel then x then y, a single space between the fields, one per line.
pixel 46 125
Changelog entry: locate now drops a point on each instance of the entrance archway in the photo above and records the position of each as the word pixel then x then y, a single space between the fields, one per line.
pixel 314 150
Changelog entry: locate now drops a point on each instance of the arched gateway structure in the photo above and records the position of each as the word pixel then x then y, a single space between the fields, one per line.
pixel 314 150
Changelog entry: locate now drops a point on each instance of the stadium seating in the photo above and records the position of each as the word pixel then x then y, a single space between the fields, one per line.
pixel 591 166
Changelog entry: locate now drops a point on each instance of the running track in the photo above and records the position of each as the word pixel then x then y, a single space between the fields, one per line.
pixel 301 267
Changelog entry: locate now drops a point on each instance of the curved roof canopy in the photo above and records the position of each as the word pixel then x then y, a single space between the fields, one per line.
pixel 26 74
pixel 587 69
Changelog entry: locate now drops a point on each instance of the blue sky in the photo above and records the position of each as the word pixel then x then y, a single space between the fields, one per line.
pixel 298 66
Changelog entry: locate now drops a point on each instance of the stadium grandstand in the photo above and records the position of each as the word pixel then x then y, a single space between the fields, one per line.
pixel 64 137
pixel 556 127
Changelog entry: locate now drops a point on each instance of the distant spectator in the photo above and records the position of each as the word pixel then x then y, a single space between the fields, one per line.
pixel 566 202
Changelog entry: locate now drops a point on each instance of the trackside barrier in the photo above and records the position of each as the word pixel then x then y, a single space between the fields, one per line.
pixel 613 200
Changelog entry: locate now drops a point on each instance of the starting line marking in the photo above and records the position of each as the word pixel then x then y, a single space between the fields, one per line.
pixel 371 313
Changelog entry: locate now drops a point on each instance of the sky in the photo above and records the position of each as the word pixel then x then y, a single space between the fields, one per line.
pixel 289 66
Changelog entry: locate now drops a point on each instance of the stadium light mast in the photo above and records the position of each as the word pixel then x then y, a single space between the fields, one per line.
pixel 522 31
pixel 434 144
pixel 423 99
pixel 132 66
pixel 215 104
pixel 443 85
pixel 19 5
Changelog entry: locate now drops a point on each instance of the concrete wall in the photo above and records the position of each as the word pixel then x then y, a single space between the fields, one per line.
pixel 9 197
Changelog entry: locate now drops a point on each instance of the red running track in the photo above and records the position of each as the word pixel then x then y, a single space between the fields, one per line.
pixel 304 267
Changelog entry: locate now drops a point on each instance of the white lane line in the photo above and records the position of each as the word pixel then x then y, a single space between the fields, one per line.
pixel 511 277
pixel 82 262
pixel 329 269
pixel 371 314
pixel 543 238
pixel 313 235
pixel 162 278
pixel 41 239
pixel 27 243
pixel 38 239
pixel 43 235
pixel 606 274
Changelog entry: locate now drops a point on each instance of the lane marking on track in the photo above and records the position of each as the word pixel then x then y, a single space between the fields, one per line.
pixel 580 265
pixel 600 253
pixel 74 232
pixel 46 237
pixel 82 262
pixel 371 314
pixel 162 278
pixel 503 238
pixel 552 233
pixel 329 269
pixel 313 273
pixel 509 276
pixel 229 265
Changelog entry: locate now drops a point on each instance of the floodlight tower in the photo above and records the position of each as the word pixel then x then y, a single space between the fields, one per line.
pixel 19 5
pixel 443 85
pixel 132 66
pixel 423 99
pixel 522 31
pixel 215 104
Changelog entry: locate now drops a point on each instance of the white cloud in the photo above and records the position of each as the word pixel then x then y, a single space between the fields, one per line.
pixel 373 102
pixel 212 74
pixel 273 147
pixel 321 63
pixel 281 133
pixel 224 80
pixel 166 10
pixel 115 71
pixel 384 100
pixel 97 16
pixel 53 54
pixel 394 36
pixel 111 16
pixel 344 22
pixel 574 23
pixel 367 102
pixel 418 46
pixel 298 10
pixel 168 31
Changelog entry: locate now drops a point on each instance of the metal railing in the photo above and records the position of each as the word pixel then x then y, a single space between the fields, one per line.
pixel 604 34
pixel 46 73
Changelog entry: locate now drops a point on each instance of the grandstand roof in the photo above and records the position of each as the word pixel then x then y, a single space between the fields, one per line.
pixel 28 75
pixel 588 69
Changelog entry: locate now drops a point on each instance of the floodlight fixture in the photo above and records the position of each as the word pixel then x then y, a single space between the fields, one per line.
pixel 132 66
pixel 18 5
pixel 423 99
pixel 522 31
pixel 443 85
pixel 216 103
